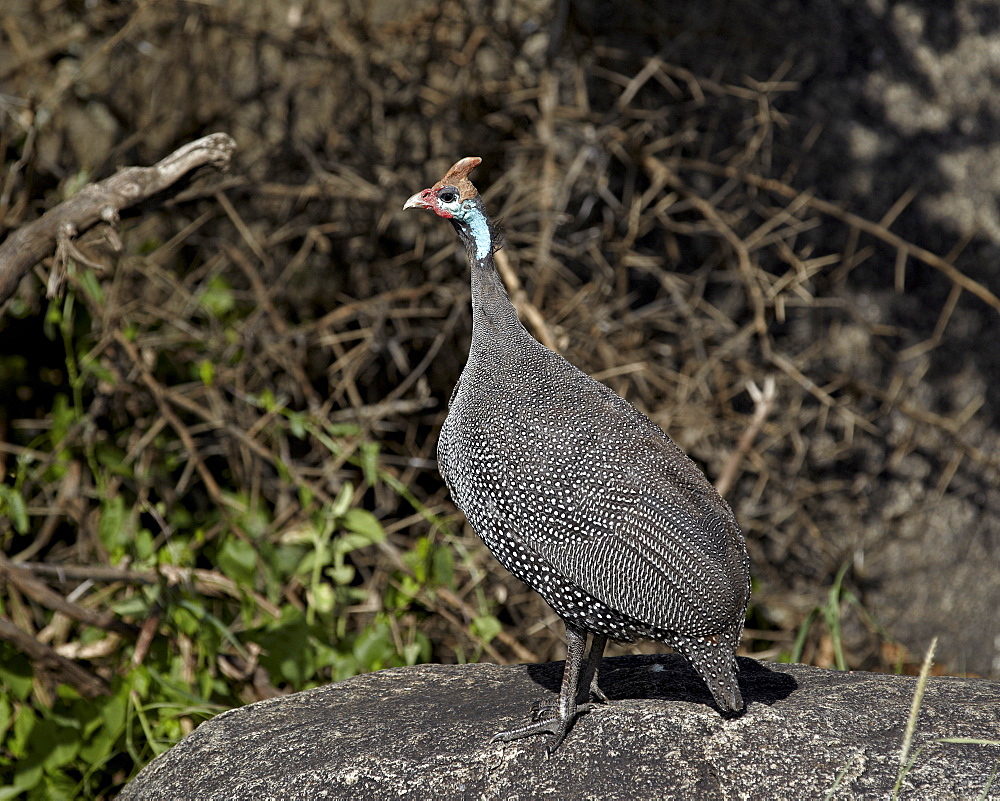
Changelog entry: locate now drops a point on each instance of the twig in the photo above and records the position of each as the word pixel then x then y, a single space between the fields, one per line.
pixel 38 591
pixel 209 582
pixel 443 334
pixel 84 572
pixel 65 670
pixel 855 221
pixel 453 600
pixel 67 499
pixel 103 201
pixel 161 395
pixel 763 403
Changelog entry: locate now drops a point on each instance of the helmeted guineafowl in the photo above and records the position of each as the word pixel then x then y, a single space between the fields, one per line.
pixel 580 495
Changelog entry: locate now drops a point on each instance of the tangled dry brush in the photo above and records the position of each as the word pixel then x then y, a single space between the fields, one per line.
pixel 273 338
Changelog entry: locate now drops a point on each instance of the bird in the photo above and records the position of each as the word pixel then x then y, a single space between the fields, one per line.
pixel 581 496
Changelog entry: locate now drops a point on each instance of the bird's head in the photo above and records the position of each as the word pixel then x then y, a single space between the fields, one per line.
pixel 454 196
pixel 456 199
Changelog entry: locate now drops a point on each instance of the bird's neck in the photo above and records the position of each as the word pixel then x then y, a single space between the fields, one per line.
pixel 493 314
pixel 494 319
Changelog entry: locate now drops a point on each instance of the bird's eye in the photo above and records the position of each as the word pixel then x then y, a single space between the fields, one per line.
pixel 448 196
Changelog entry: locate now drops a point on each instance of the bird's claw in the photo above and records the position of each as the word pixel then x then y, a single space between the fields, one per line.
pixel 597 694
pixel 557 727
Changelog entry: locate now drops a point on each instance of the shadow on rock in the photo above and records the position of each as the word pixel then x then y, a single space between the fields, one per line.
pixel 669 677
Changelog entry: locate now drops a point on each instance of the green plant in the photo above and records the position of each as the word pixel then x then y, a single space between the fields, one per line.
pixel 827 618
pixel 188 583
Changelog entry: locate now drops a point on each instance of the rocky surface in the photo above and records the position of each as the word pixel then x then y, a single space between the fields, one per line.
pixel 425 731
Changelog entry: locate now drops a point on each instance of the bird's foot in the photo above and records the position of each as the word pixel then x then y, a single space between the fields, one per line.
pixel 556 725
pixel 541 711
pixel 597 694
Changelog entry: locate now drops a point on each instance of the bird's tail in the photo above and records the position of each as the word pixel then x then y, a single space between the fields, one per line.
pixel 715 662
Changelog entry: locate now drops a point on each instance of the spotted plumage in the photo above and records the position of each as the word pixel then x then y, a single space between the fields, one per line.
pixel 580 495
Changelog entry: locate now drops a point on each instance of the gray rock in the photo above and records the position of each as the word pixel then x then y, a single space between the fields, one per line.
pixel 424 732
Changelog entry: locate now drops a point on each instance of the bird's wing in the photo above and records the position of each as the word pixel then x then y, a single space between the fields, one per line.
pixel 649 557
pixel 627 516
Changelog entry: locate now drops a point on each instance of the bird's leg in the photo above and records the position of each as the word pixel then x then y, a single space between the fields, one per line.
pixel 588 676
pixel 590 669
pixel 568 708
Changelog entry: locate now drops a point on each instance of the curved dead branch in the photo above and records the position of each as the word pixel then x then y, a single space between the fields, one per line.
pixel 102 202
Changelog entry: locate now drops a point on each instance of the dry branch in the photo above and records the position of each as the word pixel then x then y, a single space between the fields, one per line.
pixel 763 404
pixel 64 670
pixel 878 230
pixel 40 593
pixel 102 202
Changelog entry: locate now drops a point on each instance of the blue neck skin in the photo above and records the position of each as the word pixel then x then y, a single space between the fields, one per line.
pixel 480 230
pixel 494 319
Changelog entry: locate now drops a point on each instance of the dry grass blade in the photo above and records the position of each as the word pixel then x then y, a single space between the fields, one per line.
pixel 911 723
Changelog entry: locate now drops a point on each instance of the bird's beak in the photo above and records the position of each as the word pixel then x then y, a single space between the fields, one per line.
pixel 417 201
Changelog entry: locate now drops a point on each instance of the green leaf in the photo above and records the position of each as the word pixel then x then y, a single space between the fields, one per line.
pixel 138 681
pixel 16 675
pixel 286 647
pixel 323 598
pixel 411 652
pixel 144 544
pixel 53 745
pixel 186 621
pixel 373 647
pixel 6 715
pixel 417 559
pixel 369 462
pixel 343 502
pixel 114 459
pixel 53 319
pixel 63 415
pixel 12 505
pixel 287 560
pixel 26 777
pixel 296 422
pixel 486 627
pixel 363 522
pixel 443 566
pixel 206 371
pixel 100 372
pixel 217 298
pixel 24 723
pixel 137 606
pixel 408 589
pixel 238 560
pixel 112 528
pixel 340 574
pixel 346 543
pixel 89 716
pixel 254 519
pixel 91 286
